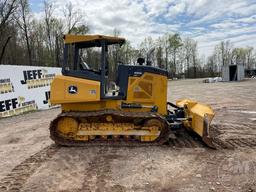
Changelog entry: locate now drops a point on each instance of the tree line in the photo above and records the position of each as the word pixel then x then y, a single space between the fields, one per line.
pixel 27 40
pixel 38 41
pixel 179 55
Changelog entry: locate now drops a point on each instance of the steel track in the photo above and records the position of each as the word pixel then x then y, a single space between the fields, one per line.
pixel 121 116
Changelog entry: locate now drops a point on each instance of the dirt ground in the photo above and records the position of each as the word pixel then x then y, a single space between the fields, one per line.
pixel 29 161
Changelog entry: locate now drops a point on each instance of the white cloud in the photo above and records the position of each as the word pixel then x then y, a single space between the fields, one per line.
pixel 176 9
pixel 251 19
pixel 156 7
pixel 198 8
pixel 207 21
pixel 226 25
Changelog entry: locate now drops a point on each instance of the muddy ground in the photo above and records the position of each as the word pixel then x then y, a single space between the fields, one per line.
pixel 29 161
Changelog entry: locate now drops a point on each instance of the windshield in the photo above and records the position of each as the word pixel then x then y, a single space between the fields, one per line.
pixel 82 58
pixel 90 58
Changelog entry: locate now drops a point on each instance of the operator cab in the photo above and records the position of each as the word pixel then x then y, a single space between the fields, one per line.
pixel 79 63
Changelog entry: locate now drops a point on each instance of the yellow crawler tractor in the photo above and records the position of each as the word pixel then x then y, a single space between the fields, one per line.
pixel 136 112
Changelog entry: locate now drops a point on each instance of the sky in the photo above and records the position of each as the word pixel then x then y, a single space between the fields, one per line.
pixel 206 21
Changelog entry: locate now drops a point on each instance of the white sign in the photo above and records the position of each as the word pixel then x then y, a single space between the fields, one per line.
pixel 25 88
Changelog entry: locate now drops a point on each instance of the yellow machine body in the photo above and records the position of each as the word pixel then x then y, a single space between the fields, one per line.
pixel 140 90
pixel 149 89
pixel 88 90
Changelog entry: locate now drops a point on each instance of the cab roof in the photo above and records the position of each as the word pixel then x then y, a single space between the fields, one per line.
pixel 90 39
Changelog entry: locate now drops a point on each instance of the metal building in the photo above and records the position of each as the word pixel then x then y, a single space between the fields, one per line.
pixel 233 73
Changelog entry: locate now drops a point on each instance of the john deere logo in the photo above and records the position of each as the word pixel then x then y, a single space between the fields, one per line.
pixel 72 89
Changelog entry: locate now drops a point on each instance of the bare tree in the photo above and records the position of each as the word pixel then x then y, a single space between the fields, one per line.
pixel 39 41
pixel 116 49
pixel 211 65
pixel 175 42
pixel 7 9
pixel 48 18
pixel 194 57
pixel 114 59
pixel 54 32
pixel 58 43
pixel 240 56
pixel 249 57
pixel 4 47
pixel 23 20
pixel 159 54
pixel 146 45
pixel 226 52
pixel 187 46
pixel 72 16
pixel 166 50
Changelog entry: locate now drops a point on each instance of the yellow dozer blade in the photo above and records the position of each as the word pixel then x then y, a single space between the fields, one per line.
pixel 199 118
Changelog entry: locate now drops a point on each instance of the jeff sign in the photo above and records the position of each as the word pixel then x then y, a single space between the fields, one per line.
pixel 25 88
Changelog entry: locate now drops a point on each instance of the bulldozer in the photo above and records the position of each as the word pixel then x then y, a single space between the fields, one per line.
pixel 136 112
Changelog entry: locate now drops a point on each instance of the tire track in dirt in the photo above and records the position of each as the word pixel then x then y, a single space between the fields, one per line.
pixel 231 136
pixel 98 173
pixel 100 167
pixel 236 143
pixel 15 180
pixel 224 137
